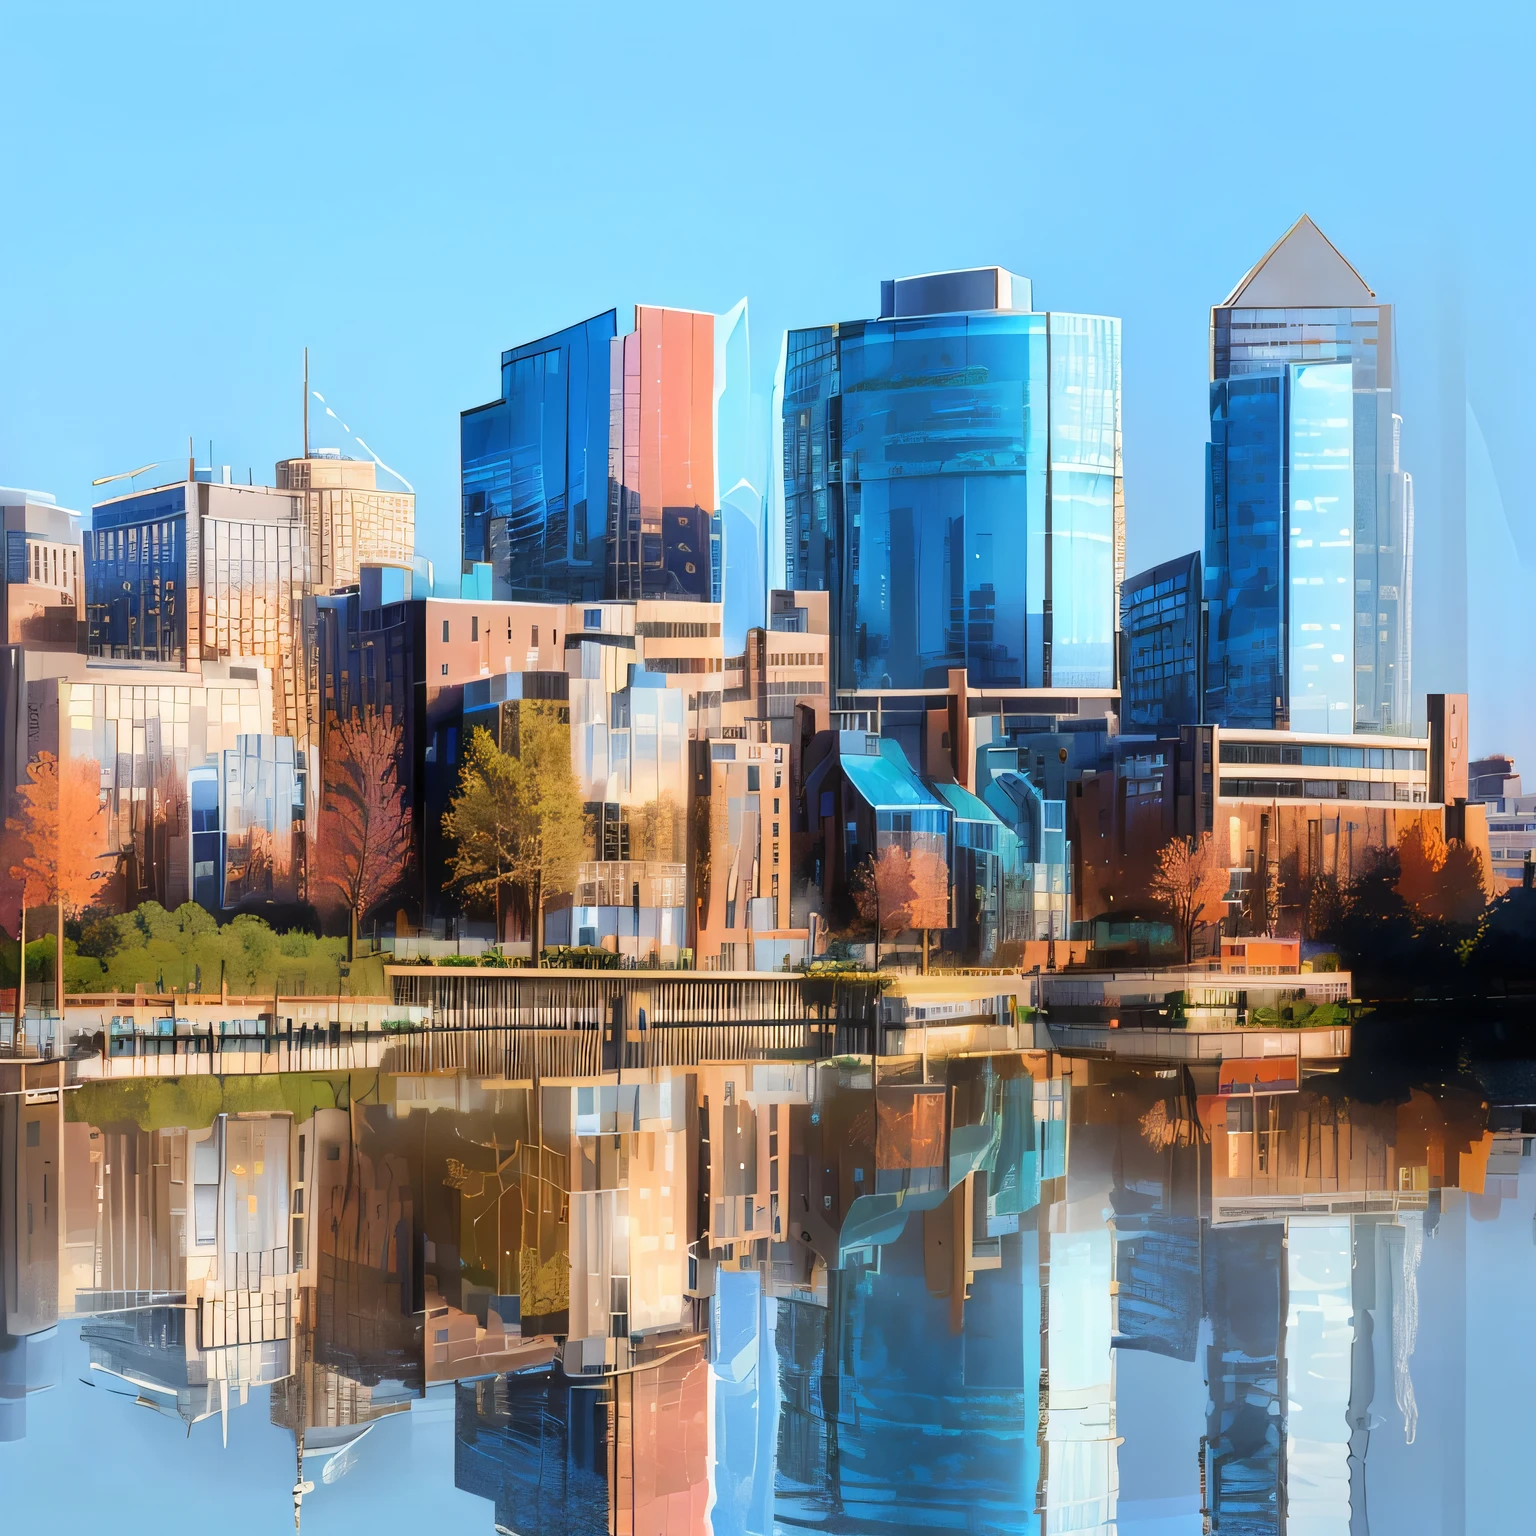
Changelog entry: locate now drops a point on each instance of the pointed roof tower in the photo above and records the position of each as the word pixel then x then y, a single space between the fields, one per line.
pixel 1303 269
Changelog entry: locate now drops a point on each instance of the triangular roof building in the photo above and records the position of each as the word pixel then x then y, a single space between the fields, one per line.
pixel 1303 269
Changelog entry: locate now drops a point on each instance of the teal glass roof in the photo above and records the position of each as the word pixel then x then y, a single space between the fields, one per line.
pixel 965 805
pixel 888 781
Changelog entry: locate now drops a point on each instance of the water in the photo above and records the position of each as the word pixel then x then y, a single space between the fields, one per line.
pixel 1030 1293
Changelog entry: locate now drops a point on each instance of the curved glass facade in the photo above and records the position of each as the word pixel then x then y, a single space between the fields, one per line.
pixel 954 481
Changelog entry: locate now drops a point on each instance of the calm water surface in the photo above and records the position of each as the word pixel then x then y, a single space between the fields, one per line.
pixel 1027 1294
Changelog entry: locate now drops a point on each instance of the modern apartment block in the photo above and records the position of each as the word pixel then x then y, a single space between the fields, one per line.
pixel 1309 514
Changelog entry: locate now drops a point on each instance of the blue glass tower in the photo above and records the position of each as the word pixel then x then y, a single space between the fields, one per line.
pixel 951 476
pixel 535 468
pixel 1309 517
pixel 1160 622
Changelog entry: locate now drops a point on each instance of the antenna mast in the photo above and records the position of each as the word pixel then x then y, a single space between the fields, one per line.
pixel 306 402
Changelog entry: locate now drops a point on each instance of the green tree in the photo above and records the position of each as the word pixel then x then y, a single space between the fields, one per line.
pixel 250 953
pixel 517 821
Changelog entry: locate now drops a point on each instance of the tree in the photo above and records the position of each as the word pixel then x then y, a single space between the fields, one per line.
pixel 552 834
pixel 1190 882
pixel 483 821
pixel 1441 881
pixel 658 830
pixel 365 824
pixel 896 890
pixel 517 821
pixel 59 844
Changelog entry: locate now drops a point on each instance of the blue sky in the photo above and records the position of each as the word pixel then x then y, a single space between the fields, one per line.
pixel 93 1461
pixel 193 193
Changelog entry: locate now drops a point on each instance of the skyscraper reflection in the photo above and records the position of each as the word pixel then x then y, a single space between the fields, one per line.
pixel 854 1295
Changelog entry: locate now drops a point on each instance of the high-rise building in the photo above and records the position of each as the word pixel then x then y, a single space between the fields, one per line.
pixel 603 470
pixel 951 475
pixel 1309 516
pixel 535 469
pixel 1160 625
pixel 195 693
pixel 350 518
pixel 197 572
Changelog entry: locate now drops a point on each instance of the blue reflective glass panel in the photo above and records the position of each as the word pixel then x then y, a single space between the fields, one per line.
pixel 1321 536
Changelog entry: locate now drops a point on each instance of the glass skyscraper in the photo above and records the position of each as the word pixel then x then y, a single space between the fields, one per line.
pixel 603 469
pixel 1160 622
pixel 535 469
pixel 951 475
pixel 1309 517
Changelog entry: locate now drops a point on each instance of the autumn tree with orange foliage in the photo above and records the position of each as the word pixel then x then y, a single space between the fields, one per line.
pixel 365 824
pixel 1189 884
pixel 58 849
pixel 896 890
pixel 1441 881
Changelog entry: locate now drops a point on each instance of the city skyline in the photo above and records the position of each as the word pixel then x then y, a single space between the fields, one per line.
pixel 766 769
pixel 398 370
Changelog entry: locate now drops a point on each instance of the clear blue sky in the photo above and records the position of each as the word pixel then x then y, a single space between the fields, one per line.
pixel 193 193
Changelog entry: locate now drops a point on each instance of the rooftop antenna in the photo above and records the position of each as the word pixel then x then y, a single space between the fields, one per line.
pixel 191 459
pixel 306 402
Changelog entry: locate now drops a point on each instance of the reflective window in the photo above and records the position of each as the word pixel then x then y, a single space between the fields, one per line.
pixel 534 468
pixel 1245 665
pixel 1321 535
pixel 923 489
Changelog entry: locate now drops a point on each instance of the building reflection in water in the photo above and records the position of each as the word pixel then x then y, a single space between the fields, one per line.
pixel 848 1296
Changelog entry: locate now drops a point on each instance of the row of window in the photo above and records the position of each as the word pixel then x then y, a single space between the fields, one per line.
pixel 474 632
pixel 1318 789
pixel 664 629
pixel 1406 759
pixel 676 665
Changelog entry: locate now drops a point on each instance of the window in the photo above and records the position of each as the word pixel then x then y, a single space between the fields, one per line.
pixel 592 618
pixel 445 636
pixel 535 641
pixel 754 776
pixel 453 744
pixel 474 627
pixel 509 629
pixel 445 669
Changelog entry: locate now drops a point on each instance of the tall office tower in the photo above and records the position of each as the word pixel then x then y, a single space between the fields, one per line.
pixel 603 469
pixel 204 572
pixel 351 520
pixel 663 500
pixel 535 469
pixel 1160 626
pixel 951 475
pixel 1309 516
